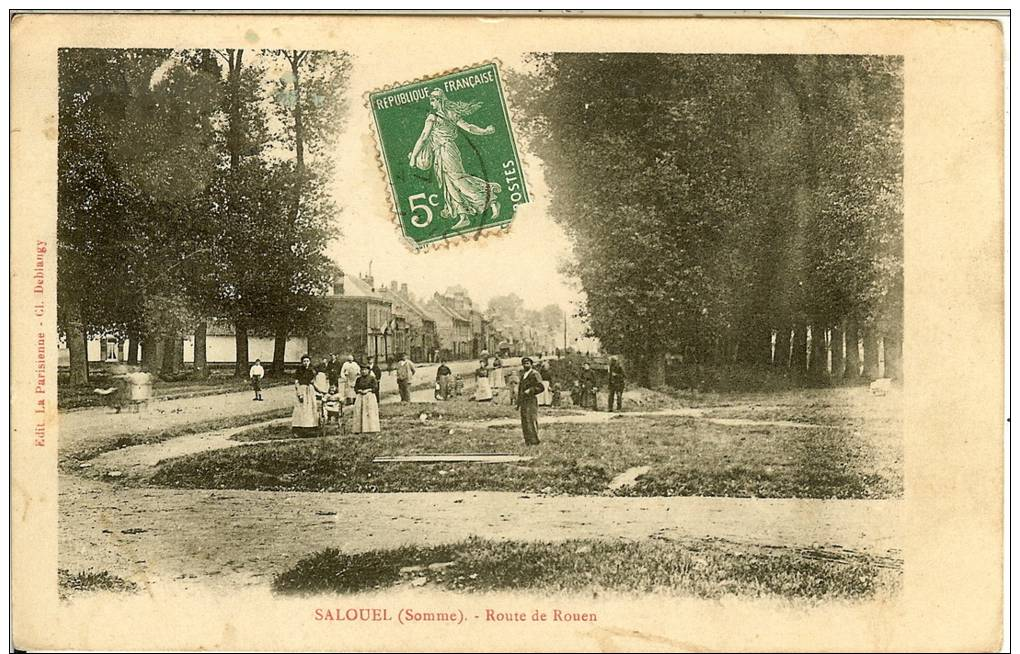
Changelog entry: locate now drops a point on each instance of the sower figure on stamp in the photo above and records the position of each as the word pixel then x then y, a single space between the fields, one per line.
pixel 464 195
pixel 527 399
pixel 617 381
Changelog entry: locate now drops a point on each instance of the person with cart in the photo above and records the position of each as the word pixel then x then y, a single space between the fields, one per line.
pixel 305 419
pixel 332 405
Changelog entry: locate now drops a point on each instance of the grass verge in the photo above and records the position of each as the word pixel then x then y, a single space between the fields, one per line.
pixel 89 581
pixel 89 448
pixel 700 568
pixel 685 456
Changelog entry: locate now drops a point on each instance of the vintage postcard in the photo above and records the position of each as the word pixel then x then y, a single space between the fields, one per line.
pixel 506 332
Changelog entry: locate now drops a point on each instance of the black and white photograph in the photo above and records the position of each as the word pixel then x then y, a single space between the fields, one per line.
pixel 677 375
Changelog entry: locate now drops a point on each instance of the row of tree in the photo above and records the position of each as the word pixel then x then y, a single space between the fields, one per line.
pixel 716 200
pixel 508 310
pixel 191 188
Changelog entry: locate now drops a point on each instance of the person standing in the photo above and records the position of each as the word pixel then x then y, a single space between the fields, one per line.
pixel 366 406
pixel 305 419
pixel 588 387
pixel 333 370
pixel 405 375
pixel 546 397
pixel 332 402
pixel 513 381
pixel 497 373
pixel 376 374
pixel 527 400
pixel 483 389
pixel 256 373
pixel 443 377
pixel 617 382
pixel 349 372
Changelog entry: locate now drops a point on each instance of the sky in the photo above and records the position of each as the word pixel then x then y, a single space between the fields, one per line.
pixel 523 260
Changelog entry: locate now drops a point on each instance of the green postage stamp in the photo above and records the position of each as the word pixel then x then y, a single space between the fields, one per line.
pixel 449 154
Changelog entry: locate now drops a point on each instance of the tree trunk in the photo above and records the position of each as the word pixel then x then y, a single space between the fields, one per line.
pixel 655 369
pixel 152 354
pixel 77 348
pixel 798 357
pixel 169 363
pixel 836 347
pixel 755 347
pixel 240 350
pixel 893 357
pixel 870 354
pixel 280 350
pixel 132 348
pixel 781 358
pixel 178 354
pixel 852 367
pixel 201 351
pixel 818 362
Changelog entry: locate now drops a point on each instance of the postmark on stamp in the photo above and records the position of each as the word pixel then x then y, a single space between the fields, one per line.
pixel 449 154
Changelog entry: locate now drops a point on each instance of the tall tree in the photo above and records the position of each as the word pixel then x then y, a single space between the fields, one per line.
pixel 134 152
pixel 714 200
pixel 309 104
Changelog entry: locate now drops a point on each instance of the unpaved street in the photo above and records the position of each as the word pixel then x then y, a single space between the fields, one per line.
pixel 245 537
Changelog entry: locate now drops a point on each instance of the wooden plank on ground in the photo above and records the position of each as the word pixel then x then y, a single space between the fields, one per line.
pixel 452 458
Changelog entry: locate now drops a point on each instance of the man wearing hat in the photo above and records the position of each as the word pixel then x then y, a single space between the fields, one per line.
pixel 530 387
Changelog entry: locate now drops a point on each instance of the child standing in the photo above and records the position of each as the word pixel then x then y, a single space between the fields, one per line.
pixel 256 373
pixel 332 402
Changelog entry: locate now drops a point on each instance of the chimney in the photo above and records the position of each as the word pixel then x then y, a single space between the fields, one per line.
pixel 403 289
pixel 338 283
pixel 393 286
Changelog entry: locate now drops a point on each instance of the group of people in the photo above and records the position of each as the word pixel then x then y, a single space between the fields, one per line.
pixel 333 385
pixel 489 378
pixel 586 386
pixel 323 391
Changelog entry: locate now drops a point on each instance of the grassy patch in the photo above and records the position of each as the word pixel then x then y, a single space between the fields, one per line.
pixel 89 580
pixel 698 568
pixel 89 448
pixel 686 456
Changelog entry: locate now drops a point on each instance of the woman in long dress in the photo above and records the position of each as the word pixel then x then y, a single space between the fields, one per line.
pixel 464 195
pixel 497 373
pixel 545 398
pixel 366 406
pixel 483 389
pixel 305 420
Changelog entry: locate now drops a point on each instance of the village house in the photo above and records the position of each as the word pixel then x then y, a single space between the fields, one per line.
pixel 413 328
pixel 454 330
pixel 358 323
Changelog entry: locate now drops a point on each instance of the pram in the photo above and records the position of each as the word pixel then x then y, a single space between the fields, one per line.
pixel 324 401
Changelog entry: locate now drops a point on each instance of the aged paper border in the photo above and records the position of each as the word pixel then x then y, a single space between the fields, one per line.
pixel 953 345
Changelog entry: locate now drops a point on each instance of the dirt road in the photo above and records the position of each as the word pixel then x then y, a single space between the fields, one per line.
pixel 100 422
pixel 245 537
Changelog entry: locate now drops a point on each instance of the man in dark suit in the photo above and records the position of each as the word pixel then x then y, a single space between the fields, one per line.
pixel 530 387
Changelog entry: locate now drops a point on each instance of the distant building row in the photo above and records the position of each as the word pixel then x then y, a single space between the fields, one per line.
pixel 365 319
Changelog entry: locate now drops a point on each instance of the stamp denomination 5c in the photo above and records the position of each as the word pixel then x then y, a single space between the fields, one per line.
pixel 449 154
